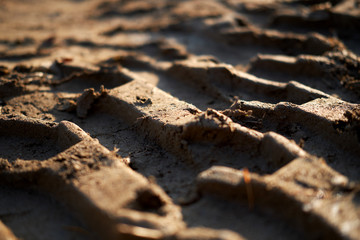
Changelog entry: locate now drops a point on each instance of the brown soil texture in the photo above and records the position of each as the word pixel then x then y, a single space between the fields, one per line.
pixel 178 120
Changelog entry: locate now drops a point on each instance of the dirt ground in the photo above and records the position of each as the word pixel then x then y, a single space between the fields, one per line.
pixel 179 120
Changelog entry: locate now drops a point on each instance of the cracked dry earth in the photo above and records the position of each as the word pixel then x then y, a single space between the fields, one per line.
pixel 157 119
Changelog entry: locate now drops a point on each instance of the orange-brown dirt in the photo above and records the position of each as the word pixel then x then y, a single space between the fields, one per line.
pixel 178 120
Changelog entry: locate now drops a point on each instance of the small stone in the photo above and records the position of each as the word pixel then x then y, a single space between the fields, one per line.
pixel 85 102
pixel 339 181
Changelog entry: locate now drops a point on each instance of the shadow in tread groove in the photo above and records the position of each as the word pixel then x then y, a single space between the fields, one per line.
pixel 27 212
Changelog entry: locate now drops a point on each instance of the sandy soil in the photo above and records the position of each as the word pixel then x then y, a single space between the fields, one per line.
pixel 161 119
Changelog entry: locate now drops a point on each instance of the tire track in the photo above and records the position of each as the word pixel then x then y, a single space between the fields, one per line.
pixel 181 99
